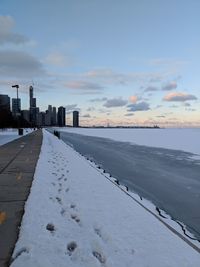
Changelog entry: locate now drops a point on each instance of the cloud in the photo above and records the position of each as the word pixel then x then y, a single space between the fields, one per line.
pixel 187 104
pixel 110 77
pixel 19 64
pixel 101 110
pixel 115 102
pixel 83 85
pixel 142 106
pixel 129 114
pixel 70 107
pixel 190 109
pixel 174 106
pixel 58 59
pixel 179 97
pixel 98 99
pixel 161 116
pixel 133 99
pixel 151 89
pixel 86 116
pixel 90 109
pixel 158 106
pixel 7 35
pixel 168 62
pixel 169 86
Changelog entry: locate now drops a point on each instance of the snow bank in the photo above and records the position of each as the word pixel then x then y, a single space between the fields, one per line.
pixel 180 139
pixel 76 217
pixel 9 135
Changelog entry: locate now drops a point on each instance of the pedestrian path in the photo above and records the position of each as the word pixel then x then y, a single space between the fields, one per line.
pixel 18 160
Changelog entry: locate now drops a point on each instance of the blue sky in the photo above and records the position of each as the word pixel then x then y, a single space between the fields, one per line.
pixel 118 62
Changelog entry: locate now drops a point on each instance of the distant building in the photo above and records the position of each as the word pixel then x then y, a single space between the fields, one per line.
pixel 26 115
pixel 61 116
pixel 5 113
pixel 4 103
pixel 47 118
pixel 51 114
pixel 41 119
pixel 33 108
pixel 75 119
pixel 54 116
pixel 16 106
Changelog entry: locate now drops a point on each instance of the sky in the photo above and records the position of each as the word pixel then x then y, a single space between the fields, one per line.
pixel 119 62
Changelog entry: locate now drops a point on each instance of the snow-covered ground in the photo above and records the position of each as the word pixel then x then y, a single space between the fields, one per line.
pixel 9 135
pixel 181 139
pixel 77 217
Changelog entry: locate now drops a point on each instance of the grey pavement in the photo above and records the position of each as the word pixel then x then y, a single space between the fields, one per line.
pixel 18 160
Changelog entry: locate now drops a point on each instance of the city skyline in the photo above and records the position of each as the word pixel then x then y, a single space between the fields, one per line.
pixel 13 115
pixel 116 62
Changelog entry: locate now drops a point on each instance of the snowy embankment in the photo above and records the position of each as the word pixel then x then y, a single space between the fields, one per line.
pixel 76 217
pixel 9 135
pixel 180 139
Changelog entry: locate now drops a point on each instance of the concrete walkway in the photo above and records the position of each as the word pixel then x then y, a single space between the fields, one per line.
pixel 18 160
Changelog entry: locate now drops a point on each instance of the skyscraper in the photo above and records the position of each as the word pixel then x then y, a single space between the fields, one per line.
pixel 75 119
pixel 61 116
pixel 16 106
pixel 4 103
pixel 5 114
pixel 26 115
pixel 33 109
pixel 54 115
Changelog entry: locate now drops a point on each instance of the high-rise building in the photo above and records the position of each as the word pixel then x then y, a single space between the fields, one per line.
pixel 16 106
pixel 26 115
pixel 33 108
pixel 61 116
pixel 75 119
pixel 54 116
pixel 41 119
pixel 48 118
pixel 51 113
pixel 4 103
pixel 5 114
pixel 32 99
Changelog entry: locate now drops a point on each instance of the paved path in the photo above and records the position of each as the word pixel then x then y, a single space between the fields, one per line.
pixel 17 166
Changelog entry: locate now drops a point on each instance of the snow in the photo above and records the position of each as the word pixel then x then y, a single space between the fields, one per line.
pixel 76 217
pixel 180 139
pixel 9 135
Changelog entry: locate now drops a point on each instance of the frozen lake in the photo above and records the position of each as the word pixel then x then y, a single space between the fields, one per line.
pixel 168 178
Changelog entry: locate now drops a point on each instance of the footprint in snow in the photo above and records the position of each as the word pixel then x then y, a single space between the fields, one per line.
pixel 63 211
pixel 19 253
pixel 59 200
pixel 72 206
pixel 71 247
pixel 75 218
pixel 99 256
pixel 50 227
pixel 99 233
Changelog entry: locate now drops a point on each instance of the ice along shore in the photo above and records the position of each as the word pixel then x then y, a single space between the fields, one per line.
pixel 74 216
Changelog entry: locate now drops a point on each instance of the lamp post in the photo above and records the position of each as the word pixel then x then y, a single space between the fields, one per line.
pixel 17 87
